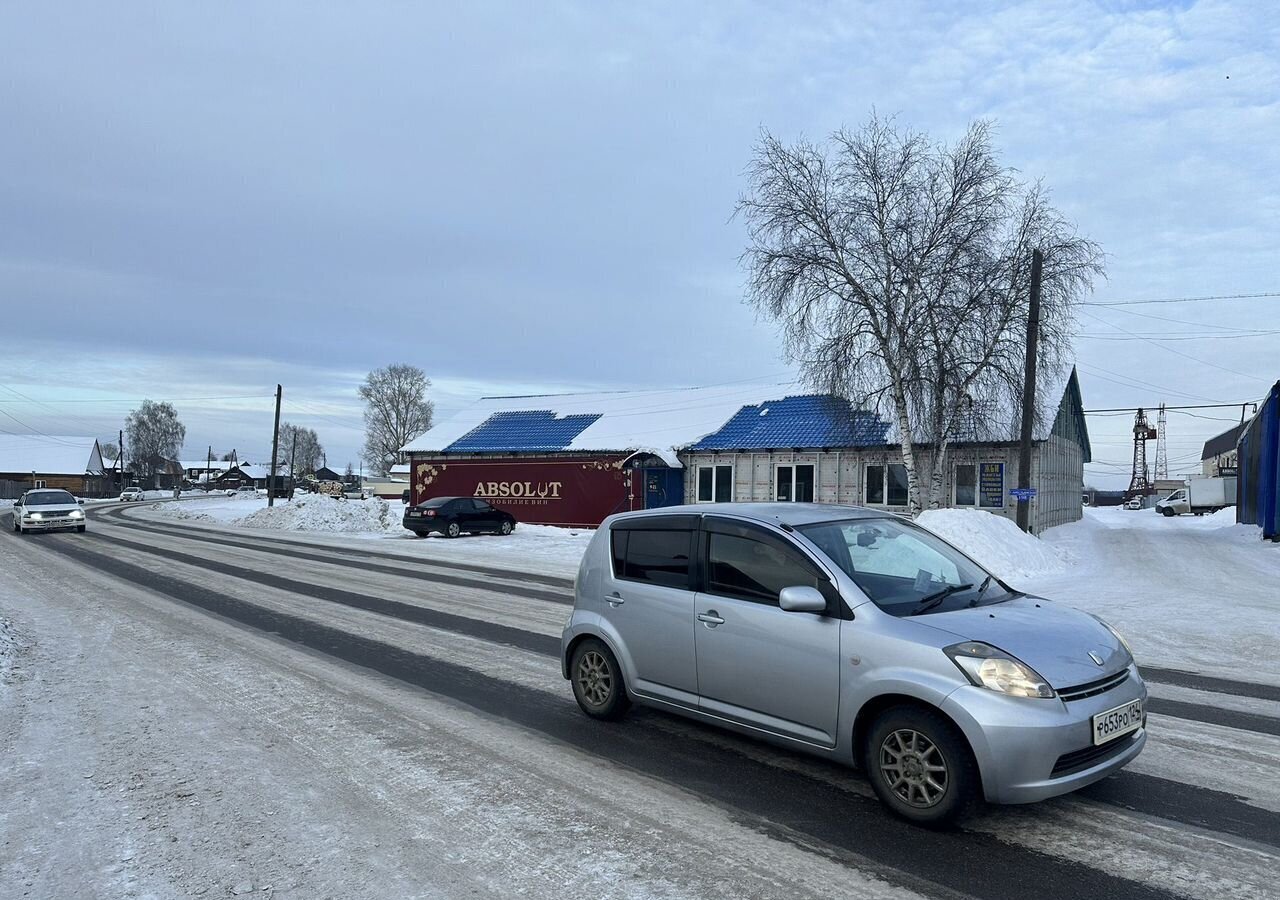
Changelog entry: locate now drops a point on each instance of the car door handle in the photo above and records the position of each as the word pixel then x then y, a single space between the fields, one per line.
pixel 710 618
pixel 615 600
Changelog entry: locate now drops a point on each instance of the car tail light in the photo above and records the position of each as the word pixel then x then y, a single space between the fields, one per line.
pixel 429 512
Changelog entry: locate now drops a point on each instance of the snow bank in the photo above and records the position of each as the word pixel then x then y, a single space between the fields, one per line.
pixel 320 513
pixel 9 646
pixel 995 542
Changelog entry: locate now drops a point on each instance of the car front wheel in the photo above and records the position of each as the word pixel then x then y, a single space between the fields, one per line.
pixel 597 681
pixel 921 767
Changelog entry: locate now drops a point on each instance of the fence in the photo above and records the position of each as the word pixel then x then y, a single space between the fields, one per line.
pixel 1258 480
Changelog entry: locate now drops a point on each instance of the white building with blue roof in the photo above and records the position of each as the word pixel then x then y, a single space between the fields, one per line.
pixel 573 459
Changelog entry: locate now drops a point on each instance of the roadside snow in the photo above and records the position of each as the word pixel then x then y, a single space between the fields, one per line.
pixel 1195 593
pixel 545 549
pixel 995 542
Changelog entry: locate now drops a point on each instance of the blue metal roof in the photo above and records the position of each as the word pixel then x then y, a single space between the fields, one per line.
pixel 531 431
pixel 815 420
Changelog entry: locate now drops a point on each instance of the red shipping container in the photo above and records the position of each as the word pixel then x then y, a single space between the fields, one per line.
pixel 578 491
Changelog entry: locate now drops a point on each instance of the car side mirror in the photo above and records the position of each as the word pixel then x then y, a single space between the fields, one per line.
pixel 80 500
pixel 802 598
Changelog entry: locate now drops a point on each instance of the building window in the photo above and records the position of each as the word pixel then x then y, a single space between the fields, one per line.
pixel 715 484
pixel 966 485
pixel 886 485
pixel 980 484
pixel 41 483
pixel 794 484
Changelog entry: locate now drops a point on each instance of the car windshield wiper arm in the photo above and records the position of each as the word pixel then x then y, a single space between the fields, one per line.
pixel 929 601
pixel 982 589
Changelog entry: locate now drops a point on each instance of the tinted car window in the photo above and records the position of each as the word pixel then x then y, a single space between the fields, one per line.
pixel 481 506
pixel 435 502
pixel 754 570
pixel 48 498
pixel 660 557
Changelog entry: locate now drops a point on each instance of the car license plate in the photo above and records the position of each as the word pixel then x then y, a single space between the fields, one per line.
pixel 1111 724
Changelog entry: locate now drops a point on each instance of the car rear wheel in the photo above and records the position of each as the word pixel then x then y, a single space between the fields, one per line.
pixel 920 766
pixel 505 528
pixel 452 530
pixel 597 681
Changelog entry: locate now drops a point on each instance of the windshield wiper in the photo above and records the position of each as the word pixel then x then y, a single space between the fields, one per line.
pixel 929 601
pixel 982 589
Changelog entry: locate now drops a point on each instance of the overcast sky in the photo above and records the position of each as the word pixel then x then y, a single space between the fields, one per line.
pixel 202 200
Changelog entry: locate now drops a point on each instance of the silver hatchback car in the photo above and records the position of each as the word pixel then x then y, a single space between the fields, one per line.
pixel 858 636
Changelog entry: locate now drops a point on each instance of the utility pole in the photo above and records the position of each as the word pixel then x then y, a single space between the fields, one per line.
pixel 275 449
pixel 208 467
pixel 120 461
pixel 1029 396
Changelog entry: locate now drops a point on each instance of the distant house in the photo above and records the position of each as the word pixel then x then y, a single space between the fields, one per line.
pixel 1220 455
pixel 324 473
pixel 55 461
pixel 254 476
pixel 201 470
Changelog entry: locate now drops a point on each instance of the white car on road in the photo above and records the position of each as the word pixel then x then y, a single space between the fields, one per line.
pixel 46 509
pixel 133 493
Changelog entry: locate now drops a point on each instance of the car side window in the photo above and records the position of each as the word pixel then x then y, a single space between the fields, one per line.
pixel 748 569
pixel 659 557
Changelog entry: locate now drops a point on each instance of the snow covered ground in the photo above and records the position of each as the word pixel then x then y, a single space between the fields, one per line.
pixel 1194 593
pixel 324 520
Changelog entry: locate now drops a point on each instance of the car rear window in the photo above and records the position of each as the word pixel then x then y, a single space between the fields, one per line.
pixel 435 502
pixel 659 557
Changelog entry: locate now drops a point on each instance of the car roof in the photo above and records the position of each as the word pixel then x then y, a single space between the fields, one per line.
pixel 794 514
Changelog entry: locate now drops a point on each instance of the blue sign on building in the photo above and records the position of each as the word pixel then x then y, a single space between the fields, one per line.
pixel 1022 493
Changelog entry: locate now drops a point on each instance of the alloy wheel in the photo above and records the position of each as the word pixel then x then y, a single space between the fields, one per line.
pixel 913 768
pixel 595 680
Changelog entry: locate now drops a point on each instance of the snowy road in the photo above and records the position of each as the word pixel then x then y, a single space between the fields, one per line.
pixel 186 712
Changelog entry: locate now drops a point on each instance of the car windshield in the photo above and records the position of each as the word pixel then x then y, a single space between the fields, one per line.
pixel 904 569
pixel 435 502
pixel 48 498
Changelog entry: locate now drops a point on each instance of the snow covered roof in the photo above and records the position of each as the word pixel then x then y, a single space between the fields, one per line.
pixel 400 469
pixel 657 421
pixel 261 472
pixel 50 454
pixel 810 420
pixel 202 464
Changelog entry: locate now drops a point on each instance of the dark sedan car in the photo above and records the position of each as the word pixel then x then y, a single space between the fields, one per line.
pixel 451 516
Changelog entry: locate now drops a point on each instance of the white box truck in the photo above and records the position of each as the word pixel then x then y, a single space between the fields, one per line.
pixel 1201 495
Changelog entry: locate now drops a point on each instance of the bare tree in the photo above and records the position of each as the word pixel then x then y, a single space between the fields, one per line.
pixel 301 448
pixel 899 271
pixel 153 436
pixel 110 450
pixel 396 410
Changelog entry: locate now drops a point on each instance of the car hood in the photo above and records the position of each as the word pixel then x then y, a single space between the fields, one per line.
pixel 55 509
pixel 1054 640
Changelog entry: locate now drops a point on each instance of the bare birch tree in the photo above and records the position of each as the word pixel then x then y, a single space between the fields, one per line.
pixel 899 272
pixel 301 447
pixel 396 411
pixel 153 435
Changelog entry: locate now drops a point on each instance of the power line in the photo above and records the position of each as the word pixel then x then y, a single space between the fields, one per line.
pixel 1122 409
pixel 1181 299
pixel 1176 336
pixel 137 399
pixel 1171 350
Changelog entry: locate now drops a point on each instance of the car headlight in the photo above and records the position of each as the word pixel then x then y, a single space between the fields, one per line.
pixel 35 516
pixel 1117 635
pixel 993 669
pixel 77 514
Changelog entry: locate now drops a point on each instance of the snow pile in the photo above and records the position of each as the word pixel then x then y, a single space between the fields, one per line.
pixel 995 542
pixel 321 513
pixel 9 646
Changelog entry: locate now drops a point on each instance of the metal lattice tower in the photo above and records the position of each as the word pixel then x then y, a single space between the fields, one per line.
pixel 1140 483
pixel 1162 451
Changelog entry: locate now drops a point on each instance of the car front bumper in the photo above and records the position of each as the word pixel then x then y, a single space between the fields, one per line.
pixel 1029 750
pixel 51 523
